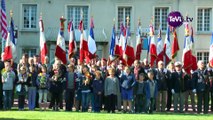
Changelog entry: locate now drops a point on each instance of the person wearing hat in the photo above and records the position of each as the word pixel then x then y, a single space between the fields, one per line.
pixel 202 87
pixel 178 87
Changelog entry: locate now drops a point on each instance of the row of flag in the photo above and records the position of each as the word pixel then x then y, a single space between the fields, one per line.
pixel 121 46
pixel 167 52
pixel 87 47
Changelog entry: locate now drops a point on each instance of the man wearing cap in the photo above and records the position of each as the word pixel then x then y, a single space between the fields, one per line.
pixel 179 79
pixel 162 76
pixel 200 78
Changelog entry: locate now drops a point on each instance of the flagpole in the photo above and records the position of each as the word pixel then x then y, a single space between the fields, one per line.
pixel 147 56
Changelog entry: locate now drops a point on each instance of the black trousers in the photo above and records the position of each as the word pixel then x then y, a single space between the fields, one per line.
pixel 37 98
pixel 69 99
pixel 169 99
pixel 150 105
pixel 21 101
pixel 55 98
pixel 203 98
pixel 140 103
pixel 97 102
pixel 111 102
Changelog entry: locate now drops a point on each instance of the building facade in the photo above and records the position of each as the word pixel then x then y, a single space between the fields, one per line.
pixel 26 17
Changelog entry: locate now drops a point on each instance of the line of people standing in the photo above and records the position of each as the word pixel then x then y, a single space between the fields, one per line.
pixel 133 89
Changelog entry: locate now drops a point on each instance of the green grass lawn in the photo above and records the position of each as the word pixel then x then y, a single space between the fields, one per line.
pixel 38 115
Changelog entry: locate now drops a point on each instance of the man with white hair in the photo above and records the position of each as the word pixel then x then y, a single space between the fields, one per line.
pixel 162 76
pixel 201 81
pixel 178 87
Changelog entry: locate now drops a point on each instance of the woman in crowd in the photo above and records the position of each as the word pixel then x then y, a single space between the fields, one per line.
pixel 111 90
pixel 42 81
pixel 22 87
pixel 32 88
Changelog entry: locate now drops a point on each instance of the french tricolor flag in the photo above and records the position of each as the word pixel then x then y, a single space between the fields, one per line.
pixel 211 52
pixel 160 47
pixel 122 40
pixel 83 43
pixel 72 42
pixel 60 51
pixel 129 50
pixel 10 48
pixel 138 43
pixel 187 53
pixel 167 47
pixel 91 42
pixel 152 49
pixel 43 45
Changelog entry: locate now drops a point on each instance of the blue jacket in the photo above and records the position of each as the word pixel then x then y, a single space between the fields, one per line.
pixel 200 78
pixel 127 81
pixel 98 86
pixel 147 89
pixel 179 82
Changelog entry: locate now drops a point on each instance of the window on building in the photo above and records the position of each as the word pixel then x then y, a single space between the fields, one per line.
pixel 29 16
pixel 30 51
pixel 204 56
pixel 161 17
pixel 204 19
pixel 123 13
pixel 74 13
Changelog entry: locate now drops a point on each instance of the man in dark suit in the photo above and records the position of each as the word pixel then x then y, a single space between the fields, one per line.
pixel 202 84
pixel 162 76
pixel 179 80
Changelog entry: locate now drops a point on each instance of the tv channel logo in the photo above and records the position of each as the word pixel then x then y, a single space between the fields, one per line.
pixel 175 19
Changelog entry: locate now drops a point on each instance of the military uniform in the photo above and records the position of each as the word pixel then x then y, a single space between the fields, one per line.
pixel 179 80
pixel 202 85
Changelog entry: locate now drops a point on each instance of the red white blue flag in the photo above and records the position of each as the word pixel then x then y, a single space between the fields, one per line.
pixel 72 42
pixel 60 51
pixel 10 47
pixel 167 47
pixel 211 52
pixel 152 45
pixel 160 47
pixel 43 45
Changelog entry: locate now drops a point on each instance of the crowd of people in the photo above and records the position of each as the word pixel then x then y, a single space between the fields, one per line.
pixel 100 86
